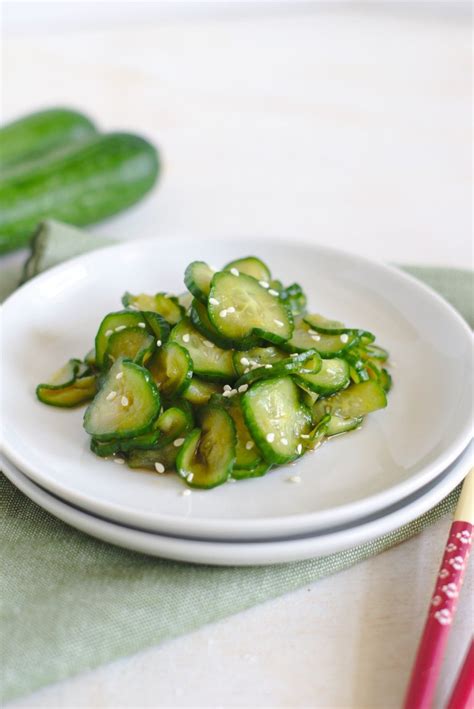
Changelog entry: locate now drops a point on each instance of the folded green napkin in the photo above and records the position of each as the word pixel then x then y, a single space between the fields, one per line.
pixel 70 603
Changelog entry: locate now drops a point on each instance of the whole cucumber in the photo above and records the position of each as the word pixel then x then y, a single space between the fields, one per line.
pixel 37 134
pixel 80 186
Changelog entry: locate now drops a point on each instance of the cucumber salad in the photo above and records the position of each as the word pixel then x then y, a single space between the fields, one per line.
pixel 222 382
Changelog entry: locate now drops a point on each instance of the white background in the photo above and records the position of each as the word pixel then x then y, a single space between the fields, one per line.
pixel 339 123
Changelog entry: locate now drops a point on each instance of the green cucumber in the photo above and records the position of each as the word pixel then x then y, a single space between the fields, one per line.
pixel 295 297
pixel 333 375
pixel 131 343
pixel 173 423
pixel 207 456
pixel 161 460
pixel 200 319
pixel 127 404
pixel 37 134
pixel 209 360
pixel 257 471
pixel 339 424
pixel 256 357
pixel 307 363
pixel 70 394
pixel 115 322
pixel 251 266
pixel 241 309
pixel 101 177
pixel 197 279
pixel 355 401
pixel 305 337
pixel 199 392
pixel 166 306
pixel 247 454
pixel 171 368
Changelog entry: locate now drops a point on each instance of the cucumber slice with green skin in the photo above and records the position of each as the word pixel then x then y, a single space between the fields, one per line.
pixel 172 369
pixel 161 460
pixel 258 471
pixel 307 363
pixel 169 308
pixel 207 456
pixel 199 392
pixel 276 418
pixel 247 455
pixel 295 297
pixel 185 300
pixel 318 434
pixel 197 279
pixel 255 357
pixel 64 376
pixel 123 407
pixel 173 423
pixel 338 425
pixel 376 352
pixel 333 376
pixel 333 327
pixel 209 361
pixel 89 359
pixel 355 401
pixel 200 319
pixel 251 266
pixel 76 392
pixel 241 309
pixel 120 319
pixel 385 380
pixel 165 305
pixel 157 325
pixel 328 346
pixel 104 449
pixel 133 343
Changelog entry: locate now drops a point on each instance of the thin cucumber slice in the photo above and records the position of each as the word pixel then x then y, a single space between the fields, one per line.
pixel 70 394
pixel 376 352
pixel 276 418
pixel 258 471
pixel 240 308
pixel 163 304
pixel 333 327
pixel 338 425
pixel 305 337
pixel 355 401
pixel 209 361
pixel 109 325
pixel 133 343
pixel 125 406
pixel 318 434
pixel 64 376
pixel 307 363
pixel 185 300
pixel 385 380
pixel 200 319
pixel 147 441
pixel 251 266
pixel 173 423
pixel 89 359
pixel 142 301
pixel 197 279
pixel 333 376
pixel 295 297
pixel 199 392
pixel 161 460
pixel 247 455
pixel 171 368
pixel 157 325
pixel 207 456
pixel 255 357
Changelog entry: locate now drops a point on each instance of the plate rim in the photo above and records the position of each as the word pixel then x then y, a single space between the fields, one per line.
pixel 234 527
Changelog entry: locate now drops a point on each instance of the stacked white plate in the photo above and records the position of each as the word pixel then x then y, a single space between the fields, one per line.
pixel 354 488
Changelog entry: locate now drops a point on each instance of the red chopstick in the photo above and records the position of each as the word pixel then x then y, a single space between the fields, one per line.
pixel 462 696
pixel 441 612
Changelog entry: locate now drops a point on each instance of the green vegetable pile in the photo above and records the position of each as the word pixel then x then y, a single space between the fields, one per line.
pixel 224 381
pixel 54 164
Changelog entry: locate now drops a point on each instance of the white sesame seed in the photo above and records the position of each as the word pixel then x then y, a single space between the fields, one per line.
pixel 231 309
pixel 316 338
pixel 294 479
pixel 119 461
pixel 227 387
pixel 141 324
pixel 344 337
pixel 273 292
pixel 158 343
pixel 243 387
pixel 186 337
pixel 213 301
pixel 234 272
pixel 208 343
pixel 190 477
pixel 119 375
pixel 159 467
pixel 294 354
pixel 223 313
pixel 264 284
pixel 312 332
pixel 233 392
pixel 284 441
pixel 249 445
pixel 124 401
pixel 299 448
pixel 119 328
pixel 278 322
pixel 108 333
pixel 270 437
pixel 111 396
pixel 227 393
pixel 268 366
pixel 304 435
pixel 244 361
pixel 178 442
pixel 185 493
pixel 246 370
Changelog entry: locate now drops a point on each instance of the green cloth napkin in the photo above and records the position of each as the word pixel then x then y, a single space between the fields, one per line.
pixel 70 602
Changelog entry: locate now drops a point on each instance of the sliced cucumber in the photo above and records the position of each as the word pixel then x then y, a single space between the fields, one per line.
pixel 89 359
pixel 64 376
pixel 276 418
pixel 258 471
pixel 305 337
pixel 208 453
pixel 295 297
pixel 247 455
pixel 147 441
pixel 173 423
pixel 306 363
pixel 163 304
pixel 241 309
pixel 209 360
pixel 385 380
pixel 256 357
pixel 172 369
pixel 197 279
pixel 199 392
pixel 376 352
pixel 70 394
pixel 133 343
pixel 338 424
pixel 127 404
pixel 251 266
pixel 109 325
pixel 333 327
pixel 333 376
pixel 160 460
pixel 200 319
pixel 355 401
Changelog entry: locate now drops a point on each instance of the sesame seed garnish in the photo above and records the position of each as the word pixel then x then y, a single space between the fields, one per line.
pixel 344 337
pixel 186 337
pixel 268 366
pixel 244 361
pixel 111 396
pixel 213 301
pixel 270 437
pixel 108 333
pixel 208 343
pixel 264 284
pixel 158 343
pixel 273 292
pixel 119 461
pixel 185 493
pixel 278 322
pixel 233 392
pixel 243 387
pixel 227 387
pixel 312 332
pixel 141 324
pixel 223 313
pixel 231 309
pixel 316 338
pixel 299 448
pixel 190 477
pixel 246 370
pixel 124 401
pixel 294 479
pixel 284 441
pixel 227 393
pixel 249 445
pixel 234 272
pixel 178 442
pixel 119 375
pixel 294 354
pixel 119 328
pixel 304 435
pixel 160 468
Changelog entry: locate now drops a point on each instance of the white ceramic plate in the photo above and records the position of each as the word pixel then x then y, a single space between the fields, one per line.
pixel 424 428
pixel 247 553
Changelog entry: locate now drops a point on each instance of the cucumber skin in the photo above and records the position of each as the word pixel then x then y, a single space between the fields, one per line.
pixel 38 133
pixel 101 177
